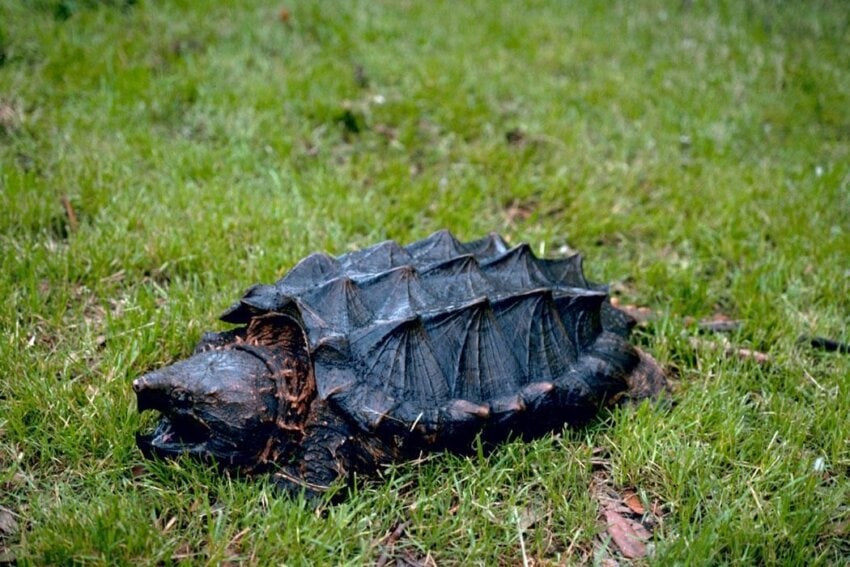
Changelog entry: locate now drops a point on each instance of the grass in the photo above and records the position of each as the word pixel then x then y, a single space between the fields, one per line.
pixel 157 158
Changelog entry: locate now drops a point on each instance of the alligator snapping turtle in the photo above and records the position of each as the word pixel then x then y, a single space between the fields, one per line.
pixel 379 355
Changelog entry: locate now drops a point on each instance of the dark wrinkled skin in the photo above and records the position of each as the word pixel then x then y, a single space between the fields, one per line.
pixel 229 404
pixel 218 403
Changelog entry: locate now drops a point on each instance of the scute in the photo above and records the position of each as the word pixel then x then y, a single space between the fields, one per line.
pixel 474 352
pixel 338 304
pixel 398 358
pixel 440 336
pixel 309 272
pixel 460 276
pixel 517 268
pixel 541 343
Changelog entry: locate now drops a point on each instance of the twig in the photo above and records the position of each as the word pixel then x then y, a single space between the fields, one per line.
pixel 823 343
pixel 73 223
pixel 389 542
pixel 730 350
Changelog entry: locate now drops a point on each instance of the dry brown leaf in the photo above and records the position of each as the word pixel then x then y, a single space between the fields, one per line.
pixel 8 523
pixel 625 517
pixel 632 500
pixel 518 211
pixel 730 350
pixel 628 535
pixel 719 323
pixel 389 542
pixel 70 213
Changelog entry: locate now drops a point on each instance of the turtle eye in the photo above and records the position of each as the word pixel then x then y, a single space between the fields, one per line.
pixel 181 398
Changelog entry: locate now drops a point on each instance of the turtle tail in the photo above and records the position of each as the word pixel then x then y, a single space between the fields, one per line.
pixel 646 380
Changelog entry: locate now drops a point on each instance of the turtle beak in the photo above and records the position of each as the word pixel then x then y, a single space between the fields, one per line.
pixel 179 428
pixel 216 404
pixel 152 392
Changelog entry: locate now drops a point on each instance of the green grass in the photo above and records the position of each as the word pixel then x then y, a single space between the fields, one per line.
pixel 699 155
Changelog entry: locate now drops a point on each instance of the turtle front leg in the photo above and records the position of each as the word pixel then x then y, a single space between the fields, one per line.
pixel 323 461
pixel 331 450
pixel 326 454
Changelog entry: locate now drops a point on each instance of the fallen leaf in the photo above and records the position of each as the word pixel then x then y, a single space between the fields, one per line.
pixel 8 523
pixel 730 350
pixel 518 211
pixel 389 542
pixel 628 535
pixel 632 500
pixel 626 522
pixel 719 323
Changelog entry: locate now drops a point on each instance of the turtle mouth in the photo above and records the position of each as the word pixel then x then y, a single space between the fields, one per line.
pixel 177 433
pixel 212 406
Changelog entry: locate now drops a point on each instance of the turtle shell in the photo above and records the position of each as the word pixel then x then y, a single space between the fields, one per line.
pixel 441 339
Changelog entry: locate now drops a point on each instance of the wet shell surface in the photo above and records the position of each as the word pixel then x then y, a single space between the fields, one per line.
pixel 442 338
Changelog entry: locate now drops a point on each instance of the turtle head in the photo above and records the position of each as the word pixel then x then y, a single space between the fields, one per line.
pixel 222 404
pixel 217 404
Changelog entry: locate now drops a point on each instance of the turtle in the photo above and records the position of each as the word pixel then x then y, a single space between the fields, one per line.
pixel 376 356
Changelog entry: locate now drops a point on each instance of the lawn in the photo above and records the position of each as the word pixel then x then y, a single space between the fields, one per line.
pixel 157 158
